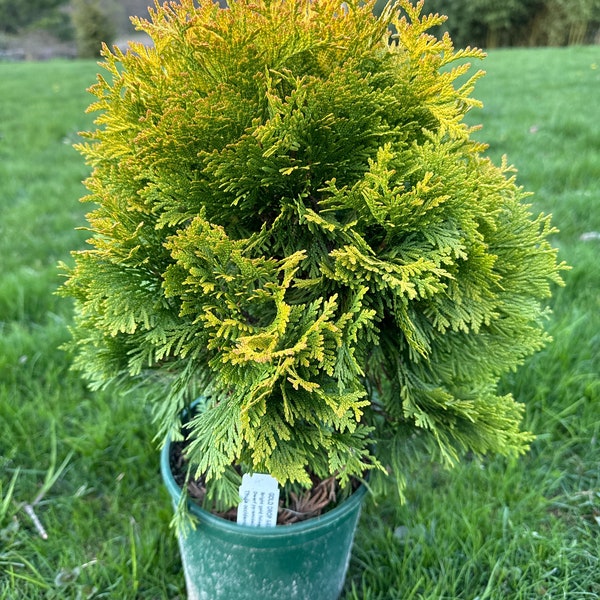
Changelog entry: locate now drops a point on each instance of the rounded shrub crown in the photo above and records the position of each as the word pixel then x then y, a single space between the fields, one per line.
pixel 293 220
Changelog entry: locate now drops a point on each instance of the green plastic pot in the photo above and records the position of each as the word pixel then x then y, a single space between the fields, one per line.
pixel 302 561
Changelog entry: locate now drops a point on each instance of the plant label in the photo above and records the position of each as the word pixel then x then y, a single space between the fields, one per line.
pixel 259 495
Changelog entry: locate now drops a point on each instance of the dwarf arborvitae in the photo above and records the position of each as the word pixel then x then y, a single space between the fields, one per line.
pixel 293 220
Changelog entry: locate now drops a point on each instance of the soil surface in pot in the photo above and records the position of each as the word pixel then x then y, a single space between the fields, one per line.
pixel 294 506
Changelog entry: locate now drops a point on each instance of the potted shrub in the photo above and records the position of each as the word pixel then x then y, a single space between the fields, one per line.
pixel 294 227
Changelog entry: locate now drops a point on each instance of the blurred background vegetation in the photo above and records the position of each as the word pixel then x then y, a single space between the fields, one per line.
pixel 500 23
pixel 41 29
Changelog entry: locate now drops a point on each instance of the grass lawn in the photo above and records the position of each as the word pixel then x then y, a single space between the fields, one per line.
pixel 86 464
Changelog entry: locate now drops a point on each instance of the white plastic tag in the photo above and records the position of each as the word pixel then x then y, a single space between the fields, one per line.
pixel 259 495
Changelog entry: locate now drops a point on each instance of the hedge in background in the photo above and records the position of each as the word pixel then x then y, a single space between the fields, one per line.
pixel 489 23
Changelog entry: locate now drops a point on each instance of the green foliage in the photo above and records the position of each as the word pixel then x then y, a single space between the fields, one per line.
pixel 293 219
pixel 94 25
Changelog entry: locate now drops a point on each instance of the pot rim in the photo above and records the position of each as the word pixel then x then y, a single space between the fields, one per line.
pixel 339 512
